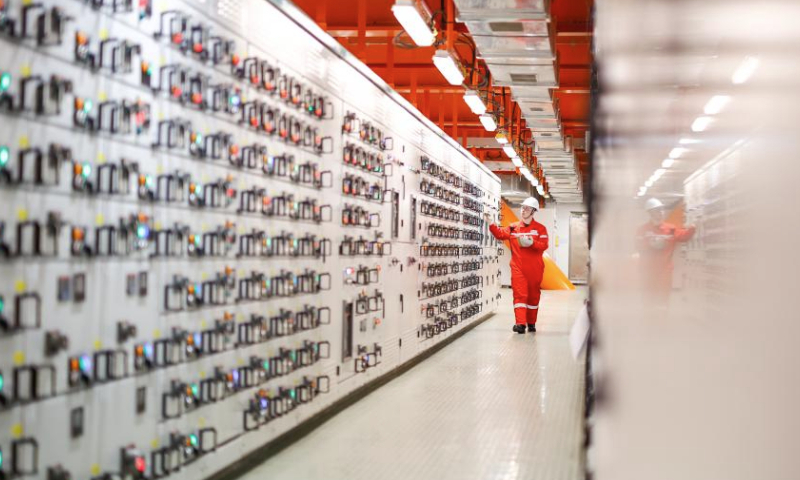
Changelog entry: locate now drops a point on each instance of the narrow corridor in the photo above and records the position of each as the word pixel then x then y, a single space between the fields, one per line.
pixel 492 405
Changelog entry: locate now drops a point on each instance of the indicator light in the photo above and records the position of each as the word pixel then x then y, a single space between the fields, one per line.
pixel 197 98
pixel 5 155
pixel 177 38
pixel 197 48
pixel 195 390
pixel 139 464
pixel 5 81
pixel 2 383
pixel 266 364
pixel 86 170
pixel 264 403
pixel 1 459
pixel 293 394
pixel 235 59
pixel 193 440
pixel 85 363
pixel 142 231
pixel 87 106
pixel 147 68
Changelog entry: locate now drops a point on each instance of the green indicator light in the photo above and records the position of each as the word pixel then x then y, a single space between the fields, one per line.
pixel 293 394
pixel 266 365
pixel 2 304
pixel 149 181
pixel 87 106
pixel 195 390
pixel 193 440
pixel 5 81
pixel 5 155
pixel 2 382
pixel 1 459
pixel 293 355
pixel 86 170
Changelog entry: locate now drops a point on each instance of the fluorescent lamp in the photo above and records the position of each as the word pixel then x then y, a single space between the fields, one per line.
pixel 516 161
pixel 534 181
pixel 676 152
pixel 410 17
pixel 524 171
pixel 716 104
pixel 509 150
pixel 701 123
pixel 540 189
pixel 658 173
pixel 688 141
pixel 667 162
pixel 501 138
pixel 488 122
pixel 746 70
pixel 474 101
pixel 448 66
pixel 649 183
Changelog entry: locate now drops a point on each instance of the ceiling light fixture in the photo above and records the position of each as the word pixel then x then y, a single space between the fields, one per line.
pixel 688 141
pixel 414 22
pixel 746 70
pixel 449 67
pixel 540 189
pixel 716 104
pixel 649 183
pixel 475 102
pixel 501 138
pixel 488 122
pixel 668 162
pixel 701 123
pixel 517 162
pixel 677 152
pixel 509 150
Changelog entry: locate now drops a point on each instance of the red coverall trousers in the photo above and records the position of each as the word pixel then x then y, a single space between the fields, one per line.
pixel 527 266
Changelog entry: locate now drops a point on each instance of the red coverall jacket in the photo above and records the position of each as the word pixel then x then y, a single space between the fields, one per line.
pixel 527 267
pixel 657 244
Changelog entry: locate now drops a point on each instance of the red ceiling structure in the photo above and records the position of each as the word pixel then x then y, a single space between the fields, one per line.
pixel 369 30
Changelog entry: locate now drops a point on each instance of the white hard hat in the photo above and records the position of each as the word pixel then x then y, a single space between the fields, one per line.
pixel 652 204
pixel 531 202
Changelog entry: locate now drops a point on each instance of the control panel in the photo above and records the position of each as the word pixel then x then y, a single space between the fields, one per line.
pixel 215 225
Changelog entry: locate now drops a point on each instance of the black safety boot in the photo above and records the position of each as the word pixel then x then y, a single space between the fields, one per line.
pixel 519 328
pixel 531 327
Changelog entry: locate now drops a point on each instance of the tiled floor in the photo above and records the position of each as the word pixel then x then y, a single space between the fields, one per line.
pixel 492 405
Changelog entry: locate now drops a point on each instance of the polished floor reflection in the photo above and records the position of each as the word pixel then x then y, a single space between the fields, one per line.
pixel 492 405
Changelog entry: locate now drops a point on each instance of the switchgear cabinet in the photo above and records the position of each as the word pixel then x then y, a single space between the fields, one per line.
pixel 215 224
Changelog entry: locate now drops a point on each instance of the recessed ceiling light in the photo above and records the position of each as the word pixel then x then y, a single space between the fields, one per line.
pixel 746 70
pixel 701 123
pixel 716 104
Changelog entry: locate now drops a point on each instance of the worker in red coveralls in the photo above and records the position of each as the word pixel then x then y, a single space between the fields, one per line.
pixel 528 240
pixel 656 242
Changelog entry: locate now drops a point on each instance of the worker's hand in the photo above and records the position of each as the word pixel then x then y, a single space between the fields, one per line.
pixel 488 217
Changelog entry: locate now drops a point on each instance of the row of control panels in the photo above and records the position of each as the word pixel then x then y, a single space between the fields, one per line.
pixel 214 227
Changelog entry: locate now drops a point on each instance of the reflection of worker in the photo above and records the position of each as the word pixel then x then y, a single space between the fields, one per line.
pixel 656 241
pixel 528 240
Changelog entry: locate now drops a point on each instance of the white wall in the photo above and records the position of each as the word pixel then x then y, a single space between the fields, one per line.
pixel 556 218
